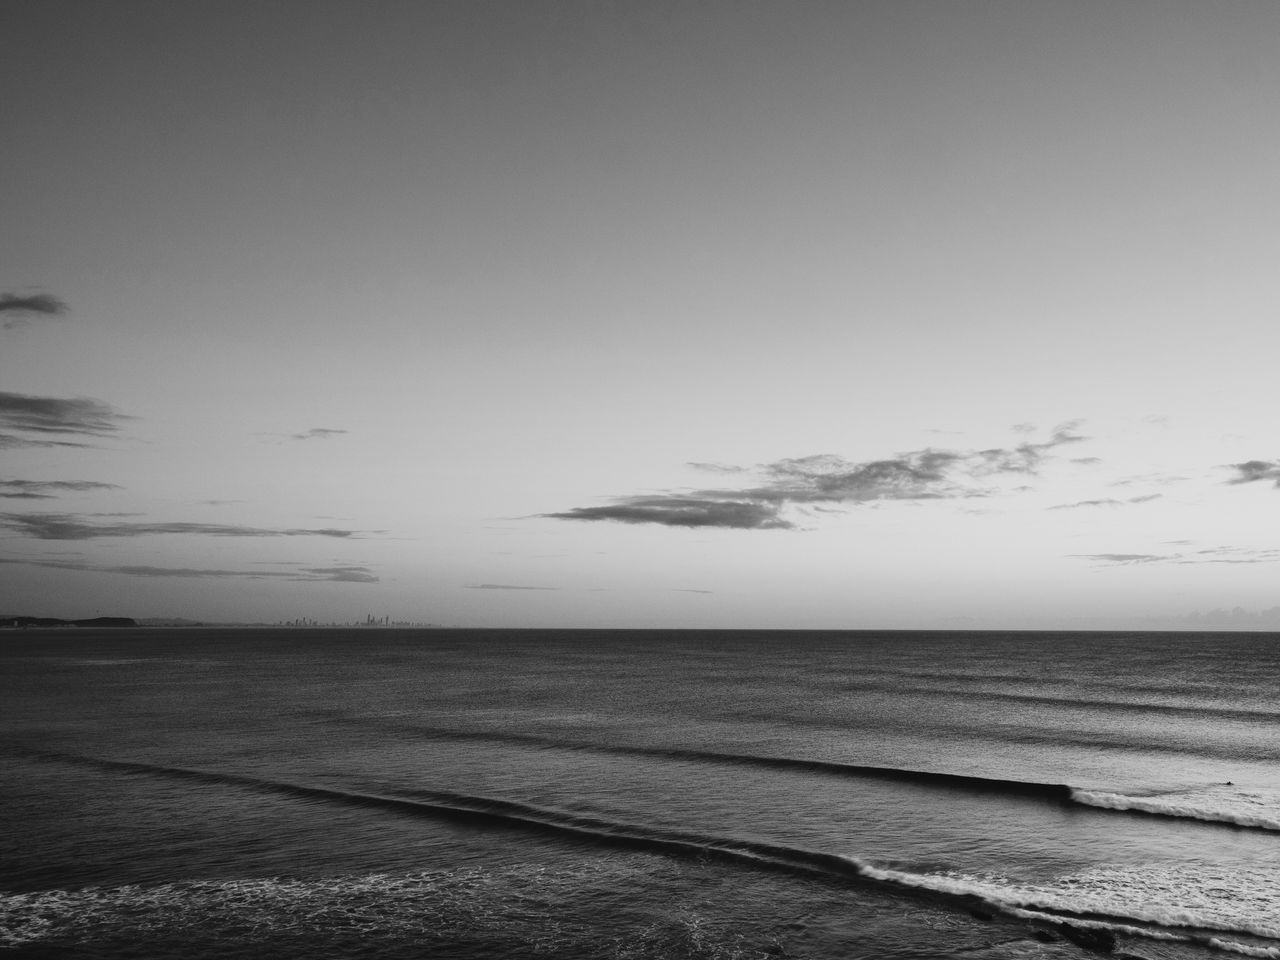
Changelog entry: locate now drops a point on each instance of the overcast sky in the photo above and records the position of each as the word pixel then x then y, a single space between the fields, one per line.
pixel 736 314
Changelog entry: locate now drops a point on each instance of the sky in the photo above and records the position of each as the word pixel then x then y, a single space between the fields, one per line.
pixel 640 314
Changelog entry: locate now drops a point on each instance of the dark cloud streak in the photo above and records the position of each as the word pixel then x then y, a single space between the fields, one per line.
pixel 18 310
pixel 670 511
pixel 9 441
pixel 928 474
pixel 503 586
pixel 65 526
pixel 317 433
pixel 43 489
pixel 303 575
pixel 339 574
pixel 56 415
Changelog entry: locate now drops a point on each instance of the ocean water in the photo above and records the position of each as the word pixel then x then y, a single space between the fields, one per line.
pixel 373 793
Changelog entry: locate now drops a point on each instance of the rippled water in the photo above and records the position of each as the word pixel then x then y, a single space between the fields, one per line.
pixel 632 794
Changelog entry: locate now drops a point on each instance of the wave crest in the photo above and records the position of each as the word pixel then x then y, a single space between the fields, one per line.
pixel 1258 810
pixel 1159 902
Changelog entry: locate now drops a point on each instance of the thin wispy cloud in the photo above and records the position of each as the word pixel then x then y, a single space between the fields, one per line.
pixel 350 574
pixel 1121 558
pixel 1227 554
pixel 716 467
pixel 52 419
pixel 10 441
pixel 1232 555
pixel 339 574
pixel 1149 479
pixel 504 586
pixel 1107 502
pixel 318 433
pixel 66 526
pixel 671 511
pixel 1252 471
pixel 48 489
pixel 928 474
pixel 17 310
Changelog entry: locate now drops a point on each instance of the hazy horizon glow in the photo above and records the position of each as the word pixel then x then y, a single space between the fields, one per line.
pixel 653 314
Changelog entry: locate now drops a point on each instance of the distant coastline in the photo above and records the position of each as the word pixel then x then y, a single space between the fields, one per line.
pixel 24 622
pixel 14 622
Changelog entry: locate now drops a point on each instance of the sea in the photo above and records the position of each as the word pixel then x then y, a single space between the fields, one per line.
pixel 638 795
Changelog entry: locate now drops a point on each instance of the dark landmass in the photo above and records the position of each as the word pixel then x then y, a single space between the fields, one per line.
pixel 11 621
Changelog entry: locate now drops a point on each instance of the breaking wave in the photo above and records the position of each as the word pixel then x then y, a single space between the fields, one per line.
pixel 1210 908
pixel 1223 803
pixel 1199 905
pixel 1251 809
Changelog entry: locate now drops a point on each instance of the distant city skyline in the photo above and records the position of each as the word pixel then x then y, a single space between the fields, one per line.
pixel 726 314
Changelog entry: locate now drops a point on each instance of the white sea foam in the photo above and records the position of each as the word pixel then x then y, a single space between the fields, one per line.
pixel 1176 900
pixel 359 904
pixel 418 906
pixel 1268 953
pixel 1220 803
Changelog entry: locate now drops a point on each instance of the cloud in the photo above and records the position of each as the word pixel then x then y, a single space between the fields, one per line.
pixel 54 416
pixel 1025 457
pixel 41 489
pixel 921 475
pixel 715 467
pixel 1231 555
pixel 1121 558
pixel 66 526
pixel 1151 479
pixel 504 586
pixel 318 433
pixel 340 574
pixel 18 310
pixel 9 441
pixel 1253 470
pixel 1108 502
pixel 1225 554
pixel 671 511
pixel 303 575
pixel 928 474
